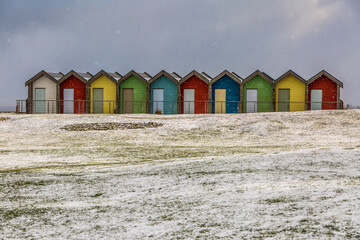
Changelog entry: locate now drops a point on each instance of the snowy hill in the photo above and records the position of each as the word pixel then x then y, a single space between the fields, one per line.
pixel 264 175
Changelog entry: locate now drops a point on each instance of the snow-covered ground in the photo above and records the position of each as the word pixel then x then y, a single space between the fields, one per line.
pixel 243 176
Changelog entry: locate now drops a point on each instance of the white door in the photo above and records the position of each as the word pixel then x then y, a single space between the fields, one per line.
pixel 189 101
pixel 68 100
pixel 251 100
pixel 158 100
pixel 316 99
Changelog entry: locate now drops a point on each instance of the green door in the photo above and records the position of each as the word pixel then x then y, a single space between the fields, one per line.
pixel 39 100
pixel 284 100
pixel 98 99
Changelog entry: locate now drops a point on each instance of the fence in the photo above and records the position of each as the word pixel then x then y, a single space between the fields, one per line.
pixel 167 107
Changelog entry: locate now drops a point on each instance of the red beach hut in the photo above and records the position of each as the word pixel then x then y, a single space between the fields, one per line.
pixel 324 92
pixel 194 93
pixel 72 92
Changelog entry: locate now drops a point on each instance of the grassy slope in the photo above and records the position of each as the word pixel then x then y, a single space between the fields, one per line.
pixel 250 175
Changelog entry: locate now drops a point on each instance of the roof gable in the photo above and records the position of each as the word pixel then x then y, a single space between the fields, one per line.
pixel 260 74
pixel 195 73
pixel 75 74
pixel 233 76
pixel 141 76
pixel 173 77
pixel 52 76
pixel 328 75
pixel 102 73
pixel 290 73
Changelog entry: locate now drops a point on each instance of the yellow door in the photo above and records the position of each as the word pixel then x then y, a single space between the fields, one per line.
pixel 220 100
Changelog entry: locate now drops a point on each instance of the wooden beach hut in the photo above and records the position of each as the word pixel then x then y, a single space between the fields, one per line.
pixel 102 89
pixel 163 93
pixel 290 92
pixel 194 93
pixel 72 92
pixel 133 89
pixel 225 93
pixel 42 92
pixel 324 92
pixel 258 92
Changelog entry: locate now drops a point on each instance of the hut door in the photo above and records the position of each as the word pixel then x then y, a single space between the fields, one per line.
pixel 251 100
pixel 284 100
pixel 158 103
pixel 68 100
pixel 316 99
pixel 128 100
pixel 40 100
pixel 98 100
pixel 189 101
pixel 220 100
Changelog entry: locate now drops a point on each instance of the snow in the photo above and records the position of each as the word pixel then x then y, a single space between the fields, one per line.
pixel 242 176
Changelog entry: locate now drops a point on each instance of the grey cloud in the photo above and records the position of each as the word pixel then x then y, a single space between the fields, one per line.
pixel 207 35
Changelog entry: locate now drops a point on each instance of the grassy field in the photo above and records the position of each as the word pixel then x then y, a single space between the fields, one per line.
pixel 243 176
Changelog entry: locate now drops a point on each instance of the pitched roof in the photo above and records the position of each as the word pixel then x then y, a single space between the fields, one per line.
pixel 260 74
pixel 233 76
pixel 206 78
pixel 328 75
pixel 84 77
pixel 172 76
pixel 142 76
pixel 102 73
pixel 290 73
pixel 52 76
pixel 115 75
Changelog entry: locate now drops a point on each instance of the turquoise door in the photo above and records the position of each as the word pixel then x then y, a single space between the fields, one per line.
pixel 316 99
pixel 39 100
pixel 158 104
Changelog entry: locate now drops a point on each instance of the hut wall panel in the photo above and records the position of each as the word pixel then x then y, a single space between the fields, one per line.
pixel 329 92
pixel 297 93
pixel 265 93
pixel 201 94
pixel 170 94
pixel 50 93
pixel 79 94
pixel 232 94
pixel 109 92
pixel 140 94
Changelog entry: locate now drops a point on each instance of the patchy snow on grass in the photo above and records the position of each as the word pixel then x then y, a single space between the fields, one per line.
pixel 242 176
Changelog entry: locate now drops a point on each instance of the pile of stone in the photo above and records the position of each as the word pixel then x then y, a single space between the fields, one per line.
pixel 110 126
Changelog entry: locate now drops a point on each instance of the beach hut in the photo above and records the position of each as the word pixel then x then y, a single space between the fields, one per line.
pixel 258 92
pixel 42 92
pixel 72 92
pixel 133 89
pixel 290 92
pixel 194 93
pixel 163 89
pixel 102 89
pixel 324 92
pixel 225 93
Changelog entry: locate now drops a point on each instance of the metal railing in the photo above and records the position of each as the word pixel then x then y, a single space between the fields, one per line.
pixel 167 107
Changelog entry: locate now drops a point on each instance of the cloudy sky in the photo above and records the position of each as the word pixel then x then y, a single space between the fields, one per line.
pixel 206 35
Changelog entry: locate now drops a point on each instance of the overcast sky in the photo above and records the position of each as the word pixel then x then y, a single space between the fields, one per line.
pixel 206 35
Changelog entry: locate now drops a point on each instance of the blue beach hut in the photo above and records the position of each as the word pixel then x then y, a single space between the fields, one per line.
pixel 164 93
pixel 225 93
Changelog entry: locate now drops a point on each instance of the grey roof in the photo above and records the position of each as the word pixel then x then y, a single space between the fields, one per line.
pixel 172 76
pixel 145 75
pixel 115 75
pixel 261 74
pixel 290 73
pixel 56 76
pixel 86 76
pixel 232 75
pixel 176 76
pixel 328 75
pixel 205 75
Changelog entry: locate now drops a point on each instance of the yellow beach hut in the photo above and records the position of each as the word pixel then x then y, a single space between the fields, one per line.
pixel 103 92
pixel 290 92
